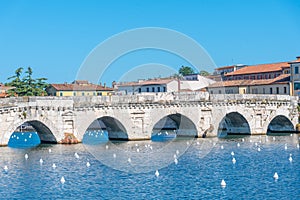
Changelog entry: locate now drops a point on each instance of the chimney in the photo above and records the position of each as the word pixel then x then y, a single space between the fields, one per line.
pixel 298 58
pixel 104 85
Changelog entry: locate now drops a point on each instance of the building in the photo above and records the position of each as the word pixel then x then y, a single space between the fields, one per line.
pixel 278 85
pixel 4 90
pixel 227 69
pixel 257 72
pixel 78 88
pixel 295 76
pixel 193 82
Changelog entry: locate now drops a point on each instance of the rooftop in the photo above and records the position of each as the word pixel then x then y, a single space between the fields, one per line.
pixel 283 78
pixel 80 86
pixel 261 68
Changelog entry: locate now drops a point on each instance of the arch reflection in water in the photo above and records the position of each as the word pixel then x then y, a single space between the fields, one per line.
pixel 173 126
pixel 280 125
pixel 233 124
pixel 24 136
pixel 104 129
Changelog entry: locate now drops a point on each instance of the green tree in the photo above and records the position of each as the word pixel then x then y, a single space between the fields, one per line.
pixel 27 86
pixel 186 70
pixel 204 73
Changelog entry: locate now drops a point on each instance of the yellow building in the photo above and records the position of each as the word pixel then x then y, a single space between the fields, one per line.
pixel 78 88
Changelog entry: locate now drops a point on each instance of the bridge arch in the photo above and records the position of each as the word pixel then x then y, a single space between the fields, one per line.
pixel 280 124
pixel 178 123
pixel 233 123
pixel 114 128
pixel 42 127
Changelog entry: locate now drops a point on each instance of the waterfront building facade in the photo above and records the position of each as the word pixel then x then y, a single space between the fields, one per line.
pixel 295 76
pixel 78 88
pixel 192 82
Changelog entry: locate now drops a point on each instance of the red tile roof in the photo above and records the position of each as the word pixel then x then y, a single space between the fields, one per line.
pixel 79 87
pixel 262 68
pixel 225 67
pixel 283 78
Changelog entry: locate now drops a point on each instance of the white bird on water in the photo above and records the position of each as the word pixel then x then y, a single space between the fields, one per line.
pixel 223 183
pixel 290 158
pixel 238 145
pixel 76 155
pixel 298 146
pixel 50 150
pixel 232 153
pixel 26 156
pixel 156 173
pixel 5 168
pixel 222 147
pixel 233 160
pixel 62 180
pixel 129 160
pixel 275 176
pixel 88 164
pixel 41 161
pixel 285 147
pixel 175 161
pixel 258 149
pixel 53 165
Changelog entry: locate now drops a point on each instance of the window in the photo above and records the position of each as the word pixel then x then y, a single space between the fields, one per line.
pixel 219 91
pixel 264 91
pixel 147 89
pixel 271 90
pixel 140 90
pixel 82 94
pixel 284 89
pixel 61 94
pixel 165 89
pixel 211 92
pixel 158 89
pixel 74 93
pixel 153 89
pixel 277 90
pixel 296 70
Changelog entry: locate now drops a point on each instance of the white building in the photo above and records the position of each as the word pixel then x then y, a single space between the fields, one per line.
pixel 295 76
pixel 191 82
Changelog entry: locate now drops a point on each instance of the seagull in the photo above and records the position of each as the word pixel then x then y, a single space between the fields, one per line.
pixel 290 158
pixel 41 161
pixel 62 180
pixel 243 140
pixel 175 161
pixel 114 155
pixel 238 145
pixel 106 147
pixel 88 164
pixel 156 173
pixel 233 160
pixel 76 155
pixel 53 166
pixel 222 147
pixel 274 139
pixel 129 160
pixel 258 149
pixel 50 150
pixel 285 147
pixel 26 156
pixel 223 183
pixel 232 153
pixel 5 168
pixel 275 176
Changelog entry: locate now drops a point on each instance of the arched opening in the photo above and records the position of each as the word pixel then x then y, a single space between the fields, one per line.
pixel 280 125
pixel 104 129
pixel 30 134
pixel 172 126
pixel 233 124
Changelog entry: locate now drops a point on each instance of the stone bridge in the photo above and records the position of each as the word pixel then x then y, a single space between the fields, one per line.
pixel 136 117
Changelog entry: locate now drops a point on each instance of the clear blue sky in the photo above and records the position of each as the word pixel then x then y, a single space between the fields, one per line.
pixel 54 36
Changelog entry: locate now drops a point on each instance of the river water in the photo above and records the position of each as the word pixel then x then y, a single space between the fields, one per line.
pixel 188 169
